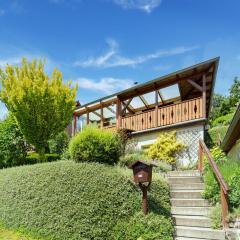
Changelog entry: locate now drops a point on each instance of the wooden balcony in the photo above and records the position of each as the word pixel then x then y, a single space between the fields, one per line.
pixel 171 114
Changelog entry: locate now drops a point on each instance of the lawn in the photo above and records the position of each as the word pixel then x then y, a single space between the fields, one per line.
pixel 6 234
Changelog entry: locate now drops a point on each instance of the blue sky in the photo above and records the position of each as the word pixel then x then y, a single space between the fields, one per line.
pixel 107 45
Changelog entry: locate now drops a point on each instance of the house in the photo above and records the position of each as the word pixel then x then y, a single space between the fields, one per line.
pixel 178 101
pixel 231 141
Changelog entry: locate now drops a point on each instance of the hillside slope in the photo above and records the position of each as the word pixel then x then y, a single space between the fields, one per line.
pixel 65 200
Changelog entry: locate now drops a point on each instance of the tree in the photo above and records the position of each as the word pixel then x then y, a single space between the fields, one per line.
pixel 235 92
pixel 41 105
pixel 13 149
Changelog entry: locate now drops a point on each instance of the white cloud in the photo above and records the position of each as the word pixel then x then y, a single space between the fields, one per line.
pixel 112 58
pixel 106 85
pixel 145 5
pixel 10 61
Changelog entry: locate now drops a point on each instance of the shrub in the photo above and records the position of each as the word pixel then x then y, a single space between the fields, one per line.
pixel 165 148
pixel 33 158
pixel 128 158
pixel 150 227
pixel 12 145
pixel 223 120
pixel 215 135
pixel 96 145
pixel 59 143
pixel 231 173
pixel 65 200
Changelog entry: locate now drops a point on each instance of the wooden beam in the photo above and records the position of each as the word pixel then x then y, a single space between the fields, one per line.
pixel 194 84
pixel 118 113
pixel 102 117
pixel 126 107
pixel 111 110
pixel 160 95
pixel 204 94
pixel 96 107
pixel 75 124
pixel 161 84
pixel 156 107
pixel 88 120
pixel 144 101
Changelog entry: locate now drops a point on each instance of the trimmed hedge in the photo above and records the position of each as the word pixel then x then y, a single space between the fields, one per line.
pixel 96 145
pixel 65 200
pixel 33 158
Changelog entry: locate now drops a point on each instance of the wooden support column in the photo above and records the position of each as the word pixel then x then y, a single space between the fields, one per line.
pixel 119 113
pixel 204 95
pixel 75 124
pixel 156 108
pixel 102 117
pixel 88 118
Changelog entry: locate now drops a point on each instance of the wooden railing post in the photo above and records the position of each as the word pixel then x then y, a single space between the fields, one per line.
pixel 224 203
pixel 200 158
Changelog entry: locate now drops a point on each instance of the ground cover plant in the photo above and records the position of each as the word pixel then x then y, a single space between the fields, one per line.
pixel 79 201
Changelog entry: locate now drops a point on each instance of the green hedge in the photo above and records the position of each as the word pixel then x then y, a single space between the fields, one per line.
pixel 65 200
pixel 33 158
pixel 96 145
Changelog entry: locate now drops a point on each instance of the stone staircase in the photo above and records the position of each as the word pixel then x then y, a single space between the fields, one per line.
pixel 189 210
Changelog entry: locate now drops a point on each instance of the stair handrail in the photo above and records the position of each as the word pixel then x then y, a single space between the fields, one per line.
pixel 224 189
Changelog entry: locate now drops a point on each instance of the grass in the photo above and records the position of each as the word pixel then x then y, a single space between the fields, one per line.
pixel 6 234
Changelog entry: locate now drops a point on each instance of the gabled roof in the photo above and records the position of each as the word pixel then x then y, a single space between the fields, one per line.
pixel 148 163
pixel 233 132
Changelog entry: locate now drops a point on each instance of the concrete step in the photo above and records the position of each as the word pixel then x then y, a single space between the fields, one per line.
pixel 187 173
pixel 191 211
pixel 188 186
pixel 184 180
pixel 183 202
pixel 186 238
pixel 186 194
pixel 192 221
pixel 196 232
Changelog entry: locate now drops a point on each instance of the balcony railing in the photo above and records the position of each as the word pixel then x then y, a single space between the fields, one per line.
pixel 172 114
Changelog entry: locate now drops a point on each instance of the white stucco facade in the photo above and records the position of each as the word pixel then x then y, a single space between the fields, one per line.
pixel 189 135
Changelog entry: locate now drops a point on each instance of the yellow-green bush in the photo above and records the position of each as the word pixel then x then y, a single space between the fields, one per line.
pixel 165 148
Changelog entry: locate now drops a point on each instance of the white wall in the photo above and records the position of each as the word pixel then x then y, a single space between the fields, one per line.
pixel 189 135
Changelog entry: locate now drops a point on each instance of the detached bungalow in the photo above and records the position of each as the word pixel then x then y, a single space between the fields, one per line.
pixel 179 101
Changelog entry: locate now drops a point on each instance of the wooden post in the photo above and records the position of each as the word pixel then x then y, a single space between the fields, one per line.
pixel 156 108
pixel 102 117
pixel 75 125
pixel 204 95
pixel 144 198
pixel 88 118
pixel 224 203
pixel 118 113
pixel 200 158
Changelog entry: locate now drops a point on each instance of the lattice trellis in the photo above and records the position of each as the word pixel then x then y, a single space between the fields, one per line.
pixel 190 137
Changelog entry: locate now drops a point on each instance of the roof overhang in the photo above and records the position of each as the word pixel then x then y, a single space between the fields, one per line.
pixel 194 73
pixel 233 132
